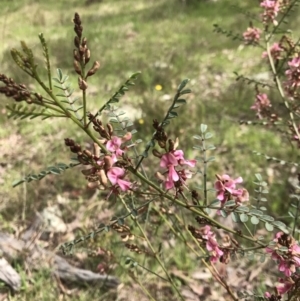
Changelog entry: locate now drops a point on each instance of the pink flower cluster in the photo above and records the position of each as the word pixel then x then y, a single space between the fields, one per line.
pixel 261 104
pixel 283 287
pixel 271 10
pixel 227 190
pixel 115 173
pixel 252 35
pixel 172 161
pixel 275 52
pixel 293 76
pixel 289 260
pixel 211 244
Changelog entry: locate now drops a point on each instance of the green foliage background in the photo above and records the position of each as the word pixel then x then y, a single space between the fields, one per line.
pixel 167 40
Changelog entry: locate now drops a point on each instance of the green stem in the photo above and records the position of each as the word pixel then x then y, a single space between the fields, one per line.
pixel 204 170
pixel 84 107
pixel 146 269
pixel 211 267
pixel 279 87
pixel 144 289
pixel 153 250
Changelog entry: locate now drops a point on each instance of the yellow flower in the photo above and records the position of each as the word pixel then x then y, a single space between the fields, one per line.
pixel 141 121
pixel 158 87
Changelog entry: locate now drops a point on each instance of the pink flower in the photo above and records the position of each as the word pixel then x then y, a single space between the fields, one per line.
pixel 271 10
pixel 169 161
pixel 284 286
pixel 275 52
pixel 226 186
pixel 172 160
pixel 267 295
pixel 181 161
pixel 293 76
pixel 261 104
pixel 252 35
pixel 116 175
pixel 287 261
pixel 114 144
pixel 211 244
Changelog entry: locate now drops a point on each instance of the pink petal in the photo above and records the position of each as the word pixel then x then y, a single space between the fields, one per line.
pixel 124 185
pixel 168 159
pixel 169 184
pixel 114 174
pixel 173 174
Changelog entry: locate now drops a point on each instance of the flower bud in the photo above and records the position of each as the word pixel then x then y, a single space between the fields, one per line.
pixel 127 136
pixel 94 69
pixel 162 144
pixel 87 56
pixel 108 162
pixel 76 67
pixel 69 142
pixel 88 172
pixel 159 176
pixel 76 41
pixel 93 185
pixel 110 129
pixel 96 150
pixel 88 153
pixel 84 41
pixel 156 153
pixel 171 145
pixel 76 55
pixel 102 177
pixel 82 84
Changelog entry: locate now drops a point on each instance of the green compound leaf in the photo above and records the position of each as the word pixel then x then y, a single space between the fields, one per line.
pixel 57 169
